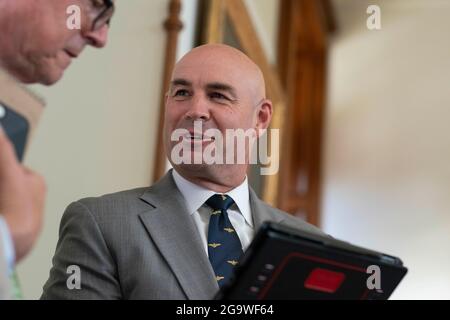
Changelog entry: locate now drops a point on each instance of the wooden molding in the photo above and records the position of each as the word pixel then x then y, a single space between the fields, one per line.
pixel 215 21
pixel 302 54
pixel 173 25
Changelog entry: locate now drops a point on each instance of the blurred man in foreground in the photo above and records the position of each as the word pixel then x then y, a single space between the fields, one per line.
pixel 36 46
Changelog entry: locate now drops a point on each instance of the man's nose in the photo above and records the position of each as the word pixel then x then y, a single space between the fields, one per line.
pixel 198 110
pixel 98 38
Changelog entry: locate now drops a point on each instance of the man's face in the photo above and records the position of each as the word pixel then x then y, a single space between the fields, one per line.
pixel 43 46
pixel 223 91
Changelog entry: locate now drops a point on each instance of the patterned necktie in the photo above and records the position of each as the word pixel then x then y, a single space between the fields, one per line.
pixel 224 246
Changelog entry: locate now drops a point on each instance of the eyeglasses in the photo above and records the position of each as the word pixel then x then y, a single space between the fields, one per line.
pixel 104 17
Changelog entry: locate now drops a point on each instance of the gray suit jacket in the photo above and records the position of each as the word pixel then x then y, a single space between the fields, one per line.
pixel 140 244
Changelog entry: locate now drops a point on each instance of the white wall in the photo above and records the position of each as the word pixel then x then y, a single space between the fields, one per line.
pixel 387 151
pixel 98 132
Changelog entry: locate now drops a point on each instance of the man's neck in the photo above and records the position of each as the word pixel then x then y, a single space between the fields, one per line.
pixel 222 186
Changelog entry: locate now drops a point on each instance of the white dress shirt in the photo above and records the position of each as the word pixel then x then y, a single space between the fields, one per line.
pixel 239 213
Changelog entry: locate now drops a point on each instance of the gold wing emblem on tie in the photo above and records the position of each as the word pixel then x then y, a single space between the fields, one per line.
pixel 229 230
pixel 214 245
pixel 218 278
pixel 216 212
pixel 232 262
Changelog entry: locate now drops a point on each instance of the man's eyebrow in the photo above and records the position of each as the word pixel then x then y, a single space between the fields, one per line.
pixel 222 87
pixel 181 82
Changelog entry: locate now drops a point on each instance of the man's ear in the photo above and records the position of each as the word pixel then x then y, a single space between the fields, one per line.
pixel 264 116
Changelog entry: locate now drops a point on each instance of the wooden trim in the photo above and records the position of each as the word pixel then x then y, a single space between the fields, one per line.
pixel 214 21
pixel 330 17
pixel 173 25
pixel 302 53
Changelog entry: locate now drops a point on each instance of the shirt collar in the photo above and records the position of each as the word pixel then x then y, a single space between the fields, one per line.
pixel 196 196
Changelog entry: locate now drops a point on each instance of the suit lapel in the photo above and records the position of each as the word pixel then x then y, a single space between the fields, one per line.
pixel 174 232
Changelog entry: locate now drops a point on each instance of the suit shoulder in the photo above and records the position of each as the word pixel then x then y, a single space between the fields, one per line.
pixel 126 201
pixel 122 195
pixel 295 222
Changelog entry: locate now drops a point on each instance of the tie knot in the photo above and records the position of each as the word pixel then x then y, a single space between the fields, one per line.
pixel 220 202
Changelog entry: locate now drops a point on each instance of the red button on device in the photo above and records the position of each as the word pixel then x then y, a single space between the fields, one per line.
pixel 324 280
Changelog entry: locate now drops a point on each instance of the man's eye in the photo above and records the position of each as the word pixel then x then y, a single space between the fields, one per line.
pixel 181 93
pixel 217 95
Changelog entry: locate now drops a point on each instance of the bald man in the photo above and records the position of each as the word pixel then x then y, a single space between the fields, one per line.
pixel 181 237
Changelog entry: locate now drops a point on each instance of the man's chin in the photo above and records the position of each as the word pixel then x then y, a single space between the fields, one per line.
pixel 46 79
pixel 50 78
